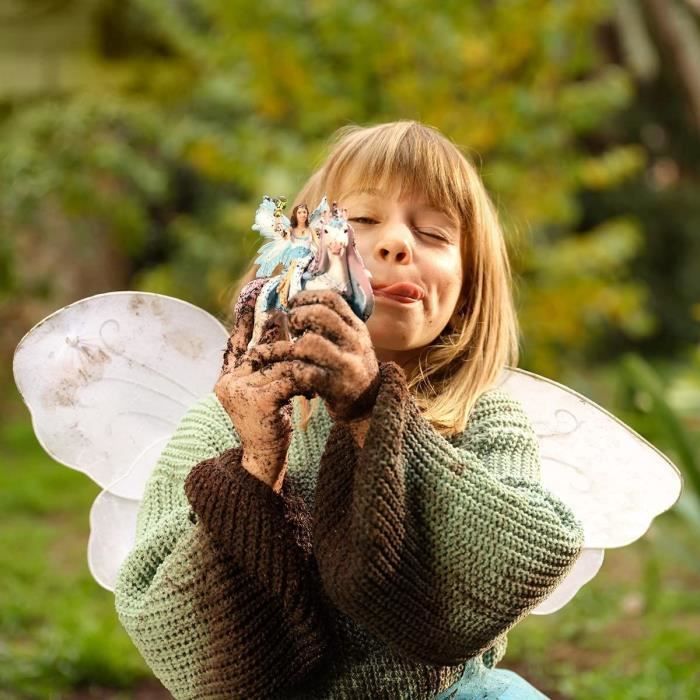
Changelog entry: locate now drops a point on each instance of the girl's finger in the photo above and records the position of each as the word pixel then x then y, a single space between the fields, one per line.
pixel 273 329
pixel 290 378
pixel 261 355
pixel 240 337
pixel 314 348
pixel 269 333
pixel 328 298
pixel 319 319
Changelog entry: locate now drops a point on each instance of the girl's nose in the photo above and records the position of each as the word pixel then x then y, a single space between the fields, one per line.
pixel 394 244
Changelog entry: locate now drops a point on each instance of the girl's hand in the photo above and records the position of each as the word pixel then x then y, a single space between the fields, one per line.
pixel 256 392
pixel 343 367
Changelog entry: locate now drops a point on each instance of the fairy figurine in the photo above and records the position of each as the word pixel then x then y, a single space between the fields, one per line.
pixel 304 242
pixel 271 222
pixel 316 252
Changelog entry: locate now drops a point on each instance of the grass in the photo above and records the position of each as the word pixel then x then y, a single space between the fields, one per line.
pixel 58 629
pixel 632 633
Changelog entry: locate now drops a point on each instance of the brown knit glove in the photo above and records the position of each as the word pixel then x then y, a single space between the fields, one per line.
pixel 255 388
pixel 331 355
pixel 339 348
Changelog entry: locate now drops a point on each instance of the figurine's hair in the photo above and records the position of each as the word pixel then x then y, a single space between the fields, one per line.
pixel 482 336
pixel 293 218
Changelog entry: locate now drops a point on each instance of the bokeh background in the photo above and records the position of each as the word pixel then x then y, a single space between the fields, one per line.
pixel 136 138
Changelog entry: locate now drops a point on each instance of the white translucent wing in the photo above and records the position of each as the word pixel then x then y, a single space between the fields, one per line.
pixel 265 220
pixel 108 378
pixel 112 536
pixel 613 479
pixel 113 518
pixel 584 569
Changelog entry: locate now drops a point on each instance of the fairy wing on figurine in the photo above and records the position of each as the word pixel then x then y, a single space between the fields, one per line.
pixel 273 225
pixel 320 214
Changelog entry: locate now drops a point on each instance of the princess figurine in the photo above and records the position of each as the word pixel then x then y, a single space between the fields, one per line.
pixel 304 244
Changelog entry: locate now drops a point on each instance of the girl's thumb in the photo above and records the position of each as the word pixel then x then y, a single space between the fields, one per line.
pixel 243 322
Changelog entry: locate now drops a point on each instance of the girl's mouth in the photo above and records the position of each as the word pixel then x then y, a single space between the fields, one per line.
pixel 402 291
pixel 378 293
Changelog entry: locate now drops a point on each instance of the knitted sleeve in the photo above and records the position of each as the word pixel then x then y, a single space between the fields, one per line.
pixel 216 594
pixel 438 550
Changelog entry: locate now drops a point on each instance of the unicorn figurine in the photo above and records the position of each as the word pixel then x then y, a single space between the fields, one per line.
pixel 316 252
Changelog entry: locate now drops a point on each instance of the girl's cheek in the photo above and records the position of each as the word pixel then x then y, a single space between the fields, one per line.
pixel 449 274
pixel 449 269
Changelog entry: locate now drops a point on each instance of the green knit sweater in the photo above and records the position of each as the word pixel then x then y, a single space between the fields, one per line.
pixel 375 572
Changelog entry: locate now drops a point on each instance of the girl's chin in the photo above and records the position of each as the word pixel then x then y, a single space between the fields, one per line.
pixel 392 325
pixel 389 341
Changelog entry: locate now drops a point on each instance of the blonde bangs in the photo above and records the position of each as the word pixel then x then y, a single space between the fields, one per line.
pixel 396 158
pixel 482 337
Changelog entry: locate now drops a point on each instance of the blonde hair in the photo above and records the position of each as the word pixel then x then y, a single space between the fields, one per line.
pixel 482 336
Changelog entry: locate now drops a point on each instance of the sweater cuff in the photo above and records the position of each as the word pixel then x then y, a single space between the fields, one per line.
pixel 392 387
pixel 393 404
pixel 264 532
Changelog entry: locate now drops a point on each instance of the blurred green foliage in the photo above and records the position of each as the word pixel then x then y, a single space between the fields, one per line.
pixel 136 139
pixel 665 407
pixel 189 111
pixel 58 628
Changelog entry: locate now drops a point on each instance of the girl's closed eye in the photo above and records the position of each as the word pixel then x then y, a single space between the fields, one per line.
pixel 432 234
pixel 368 220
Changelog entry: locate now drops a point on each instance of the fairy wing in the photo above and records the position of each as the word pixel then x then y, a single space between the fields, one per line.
pixel 107 380
pixel 112 536
pixel 274 252
pixel 320 214
pixel 265 220
pixel 613 479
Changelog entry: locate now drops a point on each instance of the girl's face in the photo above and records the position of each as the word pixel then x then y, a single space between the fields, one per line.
pixel 302 215
pixel 405 240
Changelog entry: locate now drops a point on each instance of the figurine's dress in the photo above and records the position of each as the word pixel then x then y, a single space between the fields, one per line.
pixel 302 245
pixel 297 255
pixel 300 249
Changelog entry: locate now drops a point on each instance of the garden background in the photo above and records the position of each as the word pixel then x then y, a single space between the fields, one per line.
pixel 136 138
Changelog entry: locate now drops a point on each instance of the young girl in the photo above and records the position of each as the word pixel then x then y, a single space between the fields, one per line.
pixel 380 542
